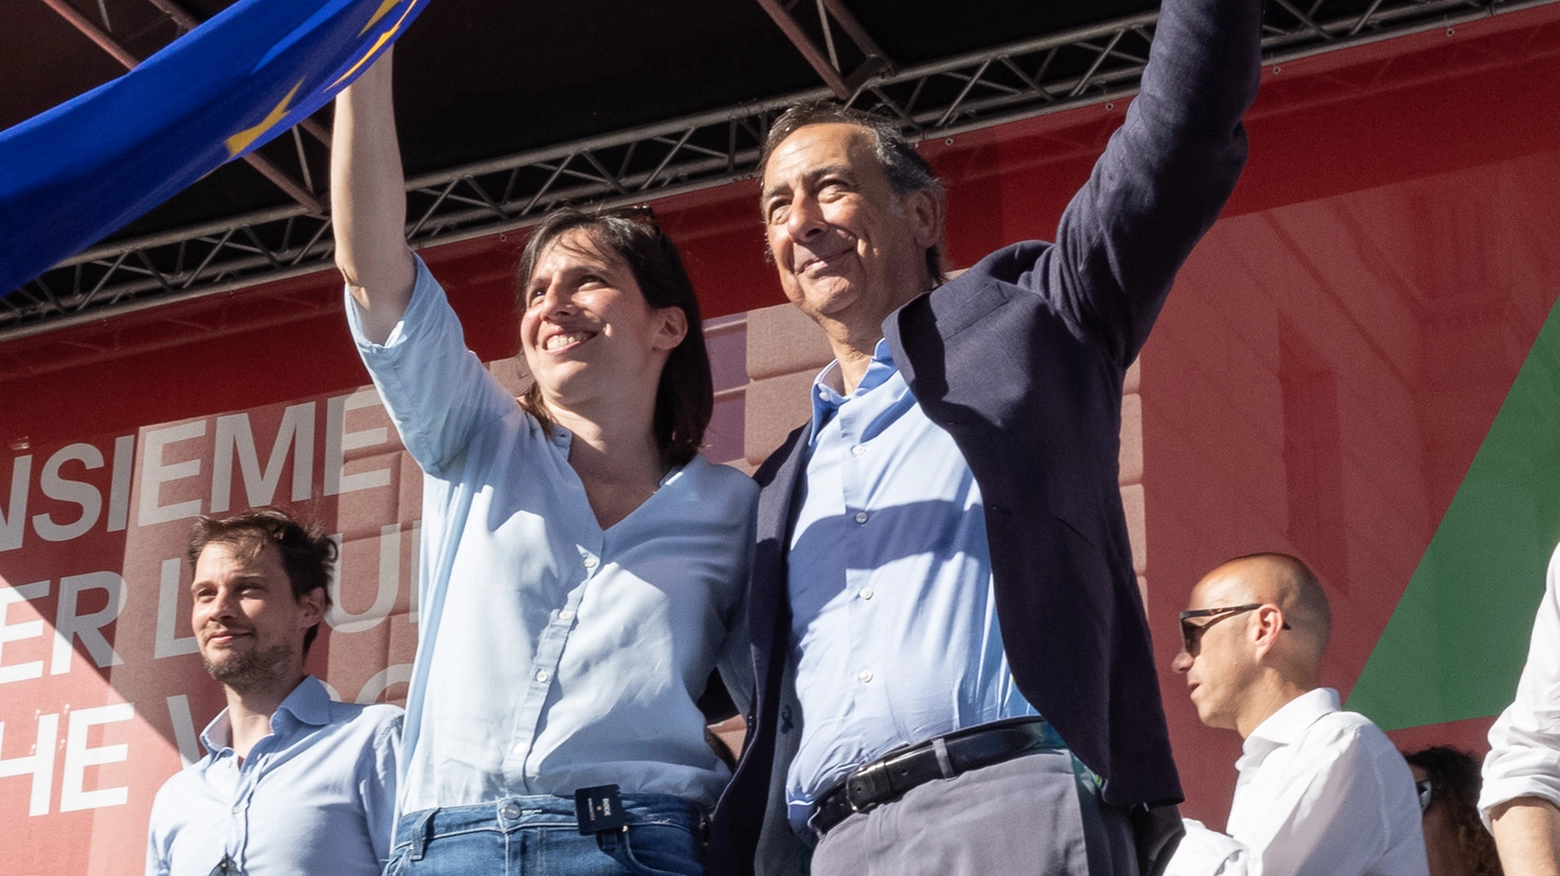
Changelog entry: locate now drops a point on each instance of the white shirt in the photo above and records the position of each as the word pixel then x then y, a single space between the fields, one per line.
pixel 316 795
pixel 1524 758
pixel 1321 792
pixel 1206 852
pixel 552 655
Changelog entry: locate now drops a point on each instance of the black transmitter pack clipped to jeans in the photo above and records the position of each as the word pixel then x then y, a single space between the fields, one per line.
pixel 600 810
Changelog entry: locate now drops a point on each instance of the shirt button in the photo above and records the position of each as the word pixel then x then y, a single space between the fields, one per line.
pixel 566 615
pixel 519 748
pixel 858 450
pixel 866 593
pixel 541 675
pixel 237 809
pixel 511 811
pixel 865 676
pixel 590 562
pixel 861 517
pixel 823 395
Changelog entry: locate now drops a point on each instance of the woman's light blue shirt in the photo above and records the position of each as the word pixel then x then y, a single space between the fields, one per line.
pixel 552 655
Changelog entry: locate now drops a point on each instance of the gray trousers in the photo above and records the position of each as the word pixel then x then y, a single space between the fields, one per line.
pixel 1030 815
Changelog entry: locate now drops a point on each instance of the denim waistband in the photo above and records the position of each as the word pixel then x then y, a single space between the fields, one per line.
pixel 506 814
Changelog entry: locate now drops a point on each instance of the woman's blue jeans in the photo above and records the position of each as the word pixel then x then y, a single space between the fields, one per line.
pixel 539 836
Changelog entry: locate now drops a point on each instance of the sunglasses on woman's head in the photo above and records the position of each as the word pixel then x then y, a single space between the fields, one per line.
pixel 638 213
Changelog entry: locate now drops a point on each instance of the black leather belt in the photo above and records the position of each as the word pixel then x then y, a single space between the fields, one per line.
pixel 893 775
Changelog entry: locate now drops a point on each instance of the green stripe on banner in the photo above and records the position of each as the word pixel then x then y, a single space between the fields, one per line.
pixel 1458 638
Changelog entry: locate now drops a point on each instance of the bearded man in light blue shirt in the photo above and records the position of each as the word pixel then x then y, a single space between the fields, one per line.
pixel 292 782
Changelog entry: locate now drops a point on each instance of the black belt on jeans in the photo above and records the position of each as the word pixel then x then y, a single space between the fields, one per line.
pixel 891 776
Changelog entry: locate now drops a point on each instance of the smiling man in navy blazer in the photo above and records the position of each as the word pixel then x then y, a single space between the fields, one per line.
pixel 943 557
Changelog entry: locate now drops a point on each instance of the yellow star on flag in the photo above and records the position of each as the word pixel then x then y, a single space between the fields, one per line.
pixel 383 38
pixel 379 13
pixel 240 141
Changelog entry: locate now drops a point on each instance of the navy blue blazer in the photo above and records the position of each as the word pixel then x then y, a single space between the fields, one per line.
pixel 1021 359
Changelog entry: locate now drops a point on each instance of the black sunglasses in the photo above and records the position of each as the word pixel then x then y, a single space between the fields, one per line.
pixel 1191 634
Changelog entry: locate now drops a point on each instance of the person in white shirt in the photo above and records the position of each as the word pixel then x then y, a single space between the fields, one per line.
pixel 1321 792
pixel 1522 772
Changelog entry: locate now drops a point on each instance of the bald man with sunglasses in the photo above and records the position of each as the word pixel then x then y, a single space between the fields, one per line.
pixel 1321 791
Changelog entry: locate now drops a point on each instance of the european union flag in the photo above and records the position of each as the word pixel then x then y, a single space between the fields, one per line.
pixel 74 174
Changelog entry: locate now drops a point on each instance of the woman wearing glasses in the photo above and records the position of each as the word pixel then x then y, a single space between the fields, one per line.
pixel 582 564
pixel 1456 842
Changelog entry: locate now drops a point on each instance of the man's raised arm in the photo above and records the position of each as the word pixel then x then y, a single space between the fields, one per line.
pixel 1164 176
pixel 368 202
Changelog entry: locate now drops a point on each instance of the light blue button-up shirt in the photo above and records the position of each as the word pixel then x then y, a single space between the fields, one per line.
pixel 552 654
pixel 894 625
pixel 317 795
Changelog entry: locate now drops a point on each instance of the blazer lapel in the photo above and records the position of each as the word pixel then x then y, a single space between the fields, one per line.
pixel 768 612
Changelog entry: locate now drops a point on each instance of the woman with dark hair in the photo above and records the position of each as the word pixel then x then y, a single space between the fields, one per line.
pixel 582 564
pixel 1455 839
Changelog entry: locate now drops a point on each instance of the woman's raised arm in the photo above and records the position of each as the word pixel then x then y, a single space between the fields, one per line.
pixel 368 202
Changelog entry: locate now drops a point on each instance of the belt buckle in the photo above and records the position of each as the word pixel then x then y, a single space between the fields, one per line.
pixel 866 788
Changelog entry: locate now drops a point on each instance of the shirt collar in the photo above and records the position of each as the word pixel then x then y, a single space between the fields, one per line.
pixel 560 438
pixel 308 704
pixel 1289 723
pixel 826 395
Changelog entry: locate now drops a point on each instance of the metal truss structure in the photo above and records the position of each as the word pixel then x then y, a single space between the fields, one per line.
pixel 1090 65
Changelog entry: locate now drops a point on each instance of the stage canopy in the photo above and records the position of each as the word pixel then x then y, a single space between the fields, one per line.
pixel 509 108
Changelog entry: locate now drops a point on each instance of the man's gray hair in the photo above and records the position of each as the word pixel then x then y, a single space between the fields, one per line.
pixel 906 170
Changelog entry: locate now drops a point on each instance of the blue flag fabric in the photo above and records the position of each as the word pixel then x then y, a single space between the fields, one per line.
pixel 76 173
